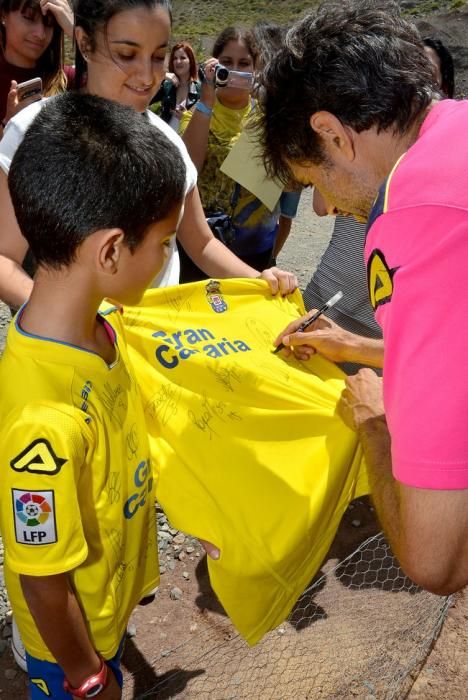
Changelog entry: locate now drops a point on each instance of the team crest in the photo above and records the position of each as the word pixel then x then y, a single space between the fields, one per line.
pixel 34 517
pixel 379 279
pixel 214 297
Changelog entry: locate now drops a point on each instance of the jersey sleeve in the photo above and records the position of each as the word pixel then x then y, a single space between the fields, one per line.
pixel 185 120
pixel 423 297
pixel 42 457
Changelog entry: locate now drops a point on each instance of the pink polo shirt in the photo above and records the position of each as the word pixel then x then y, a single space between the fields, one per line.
pixel 417 261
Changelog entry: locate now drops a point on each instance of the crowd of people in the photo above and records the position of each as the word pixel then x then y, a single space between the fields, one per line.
pixel 98 202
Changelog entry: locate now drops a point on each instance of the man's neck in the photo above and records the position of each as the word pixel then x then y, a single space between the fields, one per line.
pixel 393 145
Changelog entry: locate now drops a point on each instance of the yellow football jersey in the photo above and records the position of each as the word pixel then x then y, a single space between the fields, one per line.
pixel 249 450
pixel 77 487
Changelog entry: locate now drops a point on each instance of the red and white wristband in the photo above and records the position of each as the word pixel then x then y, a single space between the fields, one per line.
pixel 92 686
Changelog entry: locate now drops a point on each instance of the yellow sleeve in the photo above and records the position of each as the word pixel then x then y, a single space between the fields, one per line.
pixel 40 520
pixel 185 120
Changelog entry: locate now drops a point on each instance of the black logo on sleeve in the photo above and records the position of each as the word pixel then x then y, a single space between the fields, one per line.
pixel 38 458
pixel 379 279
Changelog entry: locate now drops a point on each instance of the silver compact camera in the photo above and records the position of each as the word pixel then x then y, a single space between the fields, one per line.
pixel 233 78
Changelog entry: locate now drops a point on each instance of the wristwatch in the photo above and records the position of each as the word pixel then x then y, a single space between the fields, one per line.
pixel 92 686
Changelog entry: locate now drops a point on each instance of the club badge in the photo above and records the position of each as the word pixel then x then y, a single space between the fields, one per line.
pixel 214 297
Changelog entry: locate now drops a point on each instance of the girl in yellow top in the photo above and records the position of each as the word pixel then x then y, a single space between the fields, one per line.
pixel 209 132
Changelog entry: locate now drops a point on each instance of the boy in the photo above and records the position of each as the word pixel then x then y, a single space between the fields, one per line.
pixel 97 192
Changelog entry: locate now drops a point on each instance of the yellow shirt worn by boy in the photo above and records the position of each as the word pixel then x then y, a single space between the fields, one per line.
pixel 250 452
pixel 77 488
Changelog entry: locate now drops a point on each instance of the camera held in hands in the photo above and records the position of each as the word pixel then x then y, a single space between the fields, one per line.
pixel 229 78
pixel 233 78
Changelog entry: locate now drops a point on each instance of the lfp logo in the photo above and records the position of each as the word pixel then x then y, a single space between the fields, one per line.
pixel 34 517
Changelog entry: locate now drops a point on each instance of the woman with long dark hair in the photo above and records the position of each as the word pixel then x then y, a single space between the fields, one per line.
pixel 31 46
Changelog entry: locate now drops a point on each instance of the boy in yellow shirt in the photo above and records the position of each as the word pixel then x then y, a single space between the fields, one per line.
pixel 97 192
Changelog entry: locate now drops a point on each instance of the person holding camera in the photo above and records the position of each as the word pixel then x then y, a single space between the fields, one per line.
pixel 31 47
pixel 236 216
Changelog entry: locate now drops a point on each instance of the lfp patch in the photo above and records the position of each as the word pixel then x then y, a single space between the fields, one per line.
pixel 34 517
pixel 214 297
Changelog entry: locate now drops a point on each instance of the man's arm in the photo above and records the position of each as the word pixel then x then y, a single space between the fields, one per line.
pixel 330 340
pixel 427 528
pixel 59 619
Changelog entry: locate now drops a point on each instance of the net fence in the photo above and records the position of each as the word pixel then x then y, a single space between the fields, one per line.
pixel 361 630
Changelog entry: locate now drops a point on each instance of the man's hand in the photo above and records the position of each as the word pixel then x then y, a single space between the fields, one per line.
pixel 362 399
pixel 331 341
pixel 324 336
pixel 280 281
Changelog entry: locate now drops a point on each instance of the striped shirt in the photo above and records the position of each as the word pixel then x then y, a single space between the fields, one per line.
pixel 342 267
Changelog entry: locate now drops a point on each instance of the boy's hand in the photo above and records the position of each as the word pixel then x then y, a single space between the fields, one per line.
pixel 212 551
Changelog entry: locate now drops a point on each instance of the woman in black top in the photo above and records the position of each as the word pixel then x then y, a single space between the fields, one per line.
pixel 181 89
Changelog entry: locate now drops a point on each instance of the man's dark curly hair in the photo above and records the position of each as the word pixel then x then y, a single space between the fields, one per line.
pixel 359 60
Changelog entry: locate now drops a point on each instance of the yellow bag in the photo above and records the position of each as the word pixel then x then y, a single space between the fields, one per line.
pixel 249 451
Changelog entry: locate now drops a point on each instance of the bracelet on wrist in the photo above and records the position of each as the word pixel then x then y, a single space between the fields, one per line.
pixel 91 686
pixel 201 107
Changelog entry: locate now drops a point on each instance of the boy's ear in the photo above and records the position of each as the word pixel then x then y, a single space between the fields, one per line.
pixel 83 42
pixel 335 135
pixel 110 250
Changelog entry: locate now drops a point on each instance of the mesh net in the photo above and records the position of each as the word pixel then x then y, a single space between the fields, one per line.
pixel 361 630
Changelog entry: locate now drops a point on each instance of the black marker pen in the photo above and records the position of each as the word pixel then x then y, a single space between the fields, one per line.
pixel 331 302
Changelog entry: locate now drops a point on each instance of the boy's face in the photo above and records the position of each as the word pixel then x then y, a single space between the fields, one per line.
pixel 138 269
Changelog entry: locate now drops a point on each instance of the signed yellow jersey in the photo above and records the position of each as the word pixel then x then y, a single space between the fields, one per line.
pixel 77 487
pixel 248 447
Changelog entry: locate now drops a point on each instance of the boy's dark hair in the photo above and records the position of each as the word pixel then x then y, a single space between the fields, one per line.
pixel 359 60
pixel 447 69
pixel 94 15
pixel 87 164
